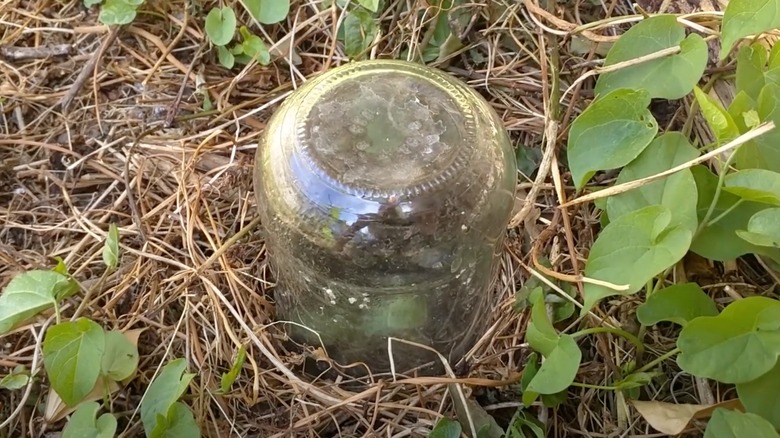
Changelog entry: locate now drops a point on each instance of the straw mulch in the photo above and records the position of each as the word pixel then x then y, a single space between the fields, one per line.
pixel 130 143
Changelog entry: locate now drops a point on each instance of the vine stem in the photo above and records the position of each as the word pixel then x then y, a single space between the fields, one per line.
pixel 725 213
pixel 721 178
pixel 640 347
pixel 657 360
pixel 590 386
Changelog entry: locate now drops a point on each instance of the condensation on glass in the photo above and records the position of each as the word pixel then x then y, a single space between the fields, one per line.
pixel 385 188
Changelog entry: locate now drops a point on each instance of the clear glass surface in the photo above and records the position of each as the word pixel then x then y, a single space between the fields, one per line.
pixel 385 188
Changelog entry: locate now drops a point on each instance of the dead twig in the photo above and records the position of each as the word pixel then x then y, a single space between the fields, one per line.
pixel 89 68
pixel 15 53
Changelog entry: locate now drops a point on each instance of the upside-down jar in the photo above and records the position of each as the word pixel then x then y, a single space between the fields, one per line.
pixel 384 189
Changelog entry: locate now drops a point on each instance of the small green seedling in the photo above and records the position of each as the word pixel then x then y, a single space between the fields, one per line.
pixel 116 12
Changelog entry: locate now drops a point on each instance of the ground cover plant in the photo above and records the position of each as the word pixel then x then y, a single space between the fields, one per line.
pixel 637 294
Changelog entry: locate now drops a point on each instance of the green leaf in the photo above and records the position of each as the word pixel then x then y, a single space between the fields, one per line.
pixel 757 185
pixel 760 396
pixel 522 422
pixel 737 346
pixel 61 268
pixel 610 133
pixel 749 77
pixel 747 17
pixel 739 109
pixel 230 377
pixel 117 12
pixel 111 248
pixel 225 57
pixel 559 368
pixel 359 31
pixel 751 119
pixel 267 11
pixel 529 372
pixel 726 423
pixel 17 379
pixel 177 423
pixel 528 159
pixel 254 46
pixel 679 304
pixel 89 3
pixel 635 380
pixel 680 72
pixel 717 117
pixel 677 192
pixel 720 241
pixel 30 293
pixel 83 423
pixel 121 357
pixel 446 428
pixel 163 392
pixel 632 249
pixel 763 228
pixel 540 333
pixel 221 25
pixel 774 57
pixel 371 5
pixel 72 352
pixel 764 151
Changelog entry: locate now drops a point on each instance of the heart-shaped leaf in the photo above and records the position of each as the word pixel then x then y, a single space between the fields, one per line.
pixel 358 32
pixel 163 392
pixel 680 72
pixel 719 241
pixel 267 11
pixel 117 12
pixel 84 424
pixel 763 229
pixel 726 423
pixel 760 396
pixel 221 25
pixel 679 304
pixel 747 17
pixel 446 428
pixel 632 249
pixel 72 352
pixel 610 133
pixel 558 369
pixel 120 358
pixel 737 346
pixel 30 293
pixel 177 423
pixel 677 192
pixel 757 185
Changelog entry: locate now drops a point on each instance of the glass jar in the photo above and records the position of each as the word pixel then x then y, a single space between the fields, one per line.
pixel 385 188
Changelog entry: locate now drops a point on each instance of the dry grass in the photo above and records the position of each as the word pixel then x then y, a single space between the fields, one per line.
pixel 136 148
